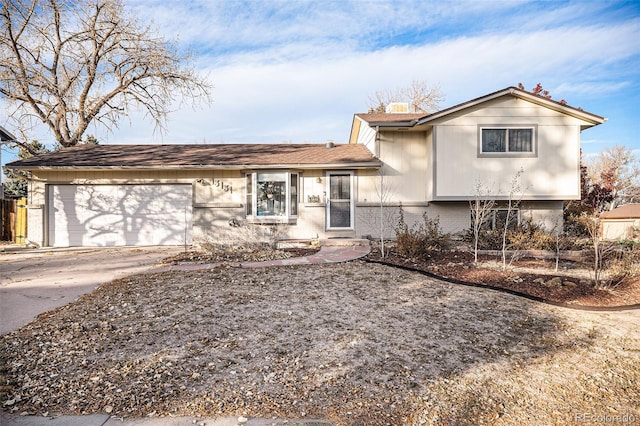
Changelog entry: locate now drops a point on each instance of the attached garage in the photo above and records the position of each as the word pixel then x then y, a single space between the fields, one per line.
pixel 119 215
pixel 137 195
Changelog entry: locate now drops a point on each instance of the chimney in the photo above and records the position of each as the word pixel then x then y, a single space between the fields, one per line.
pixel 397 108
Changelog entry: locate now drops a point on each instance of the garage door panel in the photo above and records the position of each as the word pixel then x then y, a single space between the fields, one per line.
pixel 112 215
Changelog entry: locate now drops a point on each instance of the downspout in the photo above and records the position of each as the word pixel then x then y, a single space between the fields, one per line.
pixel 381 190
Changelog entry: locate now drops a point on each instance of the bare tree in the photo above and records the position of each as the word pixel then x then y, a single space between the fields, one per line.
pixel 512 203
pixel 602 249
pixel 617 169
pixel 421 96
pixel 385 217
pixel 481 207
pixel 72 64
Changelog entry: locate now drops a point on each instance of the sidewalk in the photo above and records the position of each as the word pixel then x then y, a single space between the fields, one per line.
pixel 106 420
pixel 331 251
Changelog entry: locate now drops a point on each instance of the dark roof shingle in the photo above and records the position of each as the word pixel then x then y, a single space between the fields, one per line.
pixel 201 156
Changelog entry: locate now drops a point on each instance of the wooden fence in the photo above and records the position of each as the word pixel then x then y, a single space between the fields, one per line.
pixel 14 220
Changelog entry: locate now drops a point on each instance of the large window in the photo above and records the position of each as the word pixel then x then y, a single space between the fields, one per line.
pixel 512 140
pixel 272 195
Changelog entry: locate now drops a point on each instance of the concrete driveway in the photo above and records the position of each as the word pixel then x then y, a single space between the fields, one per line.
pixel 37 281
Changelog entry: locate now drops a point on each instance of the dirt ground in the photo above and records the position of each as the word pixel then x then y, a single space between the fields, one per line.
pixel 358 343
pixel 571 283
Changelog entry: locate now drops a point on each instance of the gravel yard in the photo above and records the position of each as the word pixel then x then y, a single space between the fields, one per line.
pixel 357 343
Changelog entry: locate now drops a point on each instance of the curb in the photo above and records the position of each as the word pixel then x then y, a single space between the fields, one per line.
pixel 511 292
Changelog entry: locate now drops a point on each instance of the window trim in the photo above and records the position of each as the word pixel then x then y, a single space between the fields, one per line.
pixel 521 154
pixel 252 179
pixel 491 220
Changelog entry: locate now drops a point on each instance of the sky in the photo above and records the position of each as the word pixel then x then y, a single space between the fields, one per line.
pixel 297 71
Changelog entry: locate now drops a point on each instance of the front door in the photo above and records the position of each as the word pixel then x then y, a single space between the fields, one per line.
pixel 340 200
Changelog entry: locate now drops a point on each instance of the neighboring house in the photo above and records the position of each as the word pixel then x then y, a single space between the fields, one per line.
pixel 428 163
pixel 621 223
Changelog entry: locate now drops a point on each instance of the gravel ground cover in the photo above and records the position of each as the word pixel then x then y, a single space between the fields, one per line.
pixel 357 343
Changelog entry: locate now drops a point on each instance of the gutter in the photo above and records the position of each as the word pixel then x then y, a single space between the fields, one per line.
pixel 357 165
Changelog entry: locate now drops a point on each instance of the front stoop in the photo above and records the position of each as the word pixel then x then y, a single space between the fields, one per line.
pixel 326 242
pixel 330 242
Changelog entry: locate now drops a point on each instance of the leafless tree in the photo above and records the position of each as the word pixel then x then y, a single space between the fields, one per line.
pixel 71 64
pixel 513 202
pixel 602 249
pixel 481 207
pixel 617 169
pixel 421 96
pixel 383 217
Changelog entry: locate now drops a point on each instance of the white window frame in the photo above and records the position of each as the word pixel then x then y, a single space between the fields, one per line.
pixel 252 192
pixel 507 153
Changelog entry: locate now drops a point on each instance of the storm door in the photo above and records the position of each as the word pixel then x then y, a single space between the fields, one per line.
pixel 340 200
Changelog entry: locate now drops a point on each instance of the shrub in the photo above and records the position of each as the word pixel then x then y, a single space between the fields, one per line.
pixel 619 262
pixel 246 236
pixel 525 236
pixel 418 240
pixel 530 236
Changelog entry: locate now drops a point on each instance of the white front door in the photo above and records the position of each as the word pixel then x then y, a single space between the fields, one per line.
pixel 340 200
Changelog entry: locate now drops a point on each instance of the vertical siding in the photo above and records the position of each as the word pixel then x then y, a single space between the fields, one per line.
pixel 553 173
pixel 406 169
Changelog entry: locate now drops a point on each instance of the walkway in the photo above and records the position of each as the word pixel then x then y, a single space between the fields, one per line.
pixel 331 251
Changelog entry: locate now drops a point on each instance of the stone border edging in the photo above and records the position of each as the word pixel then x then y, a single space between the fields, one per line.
pixel 512 292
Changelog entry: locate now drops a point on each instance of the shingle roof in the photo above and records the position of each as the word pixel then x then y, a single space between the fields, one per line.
pixel 390 117
pixel 202 156
pixel 410 120
pixel 628 211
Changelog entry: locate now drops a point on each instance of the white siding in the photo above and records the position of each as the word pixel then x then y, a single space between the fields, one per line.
pixel 553 173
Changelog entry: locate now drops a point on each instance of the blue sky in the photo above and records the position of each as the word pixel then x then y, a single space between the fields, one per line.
pixel 297 71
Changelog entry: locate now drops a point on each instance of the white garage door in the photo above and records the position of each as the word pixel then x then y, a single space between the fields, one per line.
pixel 117 215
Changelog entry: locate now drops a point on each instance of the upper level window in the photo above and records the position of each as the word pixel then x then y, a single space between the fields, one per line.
pixel 272 194
pixel 509 140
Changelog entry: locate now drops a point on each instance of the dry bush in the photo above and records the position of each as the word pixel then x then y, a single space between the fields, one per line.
pixel 246 236
pixel 620 264
pixel 531 236
pixel 525 236
pixel 417 241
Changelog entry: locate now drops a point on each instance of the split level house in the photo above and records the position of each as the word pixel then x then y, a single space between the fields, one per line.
pixel 433 164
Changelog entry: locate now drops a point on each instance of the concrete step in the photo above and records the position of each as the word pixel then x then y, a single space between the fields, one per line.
pixel 327 242
pixel 344 242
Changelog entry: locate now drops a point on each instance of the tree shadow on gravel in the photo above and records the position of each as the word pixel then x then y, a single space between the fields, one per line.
pixel 356 343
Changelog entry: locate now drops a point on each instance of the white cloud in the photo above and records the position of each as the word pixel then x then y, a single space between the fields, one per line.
pixel 299 70
pixel 313 98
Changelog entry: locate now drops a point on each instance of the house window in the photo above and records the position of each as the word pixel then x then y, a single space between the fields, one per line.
pixel 497 218
pixel 272 195
pixel 504 141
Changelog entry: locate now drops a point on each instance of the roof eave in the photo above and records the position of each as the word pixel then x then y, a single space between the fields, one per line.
pixel 406 124
pixel 6 136
pixel 355 165
pixel 593 119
